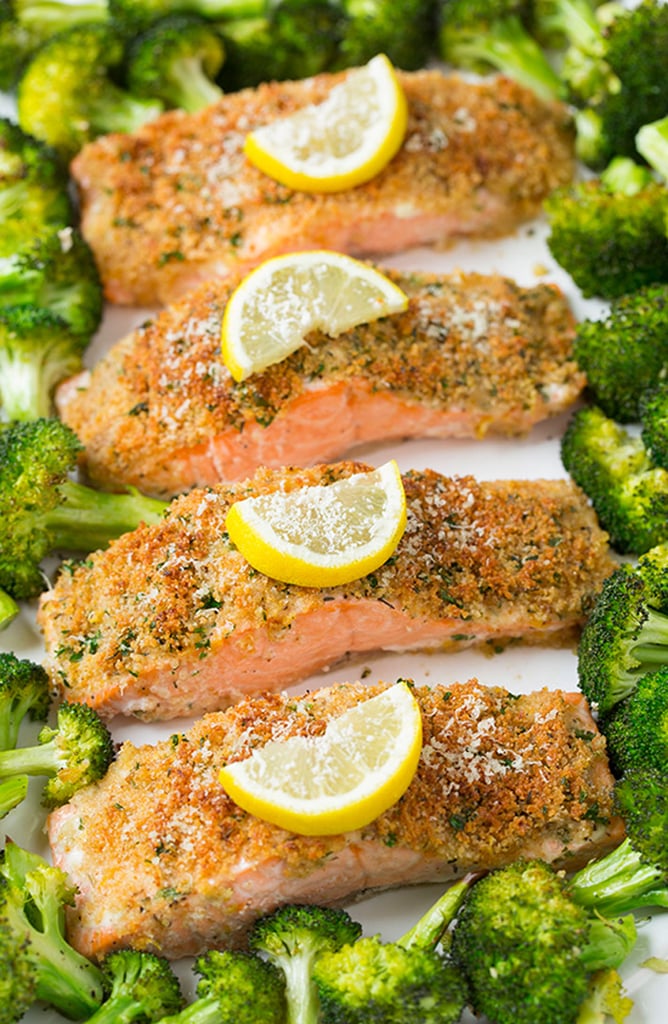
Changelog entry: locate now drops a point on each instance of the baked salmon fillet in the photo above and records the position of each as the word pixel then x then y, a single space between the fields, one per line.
pixel 171 619
pixel 165 860
pixel 178 202
pixel 472 354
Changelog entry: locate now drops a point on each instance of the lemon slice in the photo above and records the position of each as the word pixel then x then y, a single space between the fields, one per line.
pixel 338 781
pixel 273 309
pixel 343 141
pixel 323 535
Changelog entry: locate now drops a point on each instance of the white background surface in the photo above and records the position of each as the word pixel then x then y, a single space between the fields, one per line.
pixel 525 257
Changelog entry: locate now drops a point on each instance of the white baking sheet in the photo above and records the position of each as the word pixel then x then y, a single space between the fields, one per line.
pixel 525 257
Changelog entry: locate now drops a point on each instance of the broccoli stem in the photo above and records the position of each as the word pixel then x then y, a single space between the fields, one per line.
pixel 119 1009
pixel 609 942
pixel 652 143
pixel 653 646
pixel 431 926
pixel 118 111
pixel 12 792
pixel 8 609
pixel 195 88
pixel 40 759
pixel 230 10
pixel 29 380
pixel 46 17
pixel 619 882
pixel 88 519
pixel 576 20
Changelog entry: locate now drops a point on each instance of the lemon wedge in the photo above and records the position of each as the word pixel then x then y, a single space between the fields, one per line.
pixel 274 307
pixel 322 535
pixel 338 781
pixel 343 141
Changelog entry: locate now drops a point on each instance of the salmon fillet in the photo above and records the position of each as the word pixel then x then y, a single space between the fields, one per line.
pixel 171 620
pixel 178 203
pixel 165 860
pixel 472 354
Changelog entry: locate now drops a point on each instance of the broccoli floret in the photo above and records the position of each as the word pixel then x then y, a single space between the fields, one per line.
pixel 26 25
pixel 33 897
pixel 369 980
pixel 654 419
pixel 8 609
pixel 636 43
pixel 12 792
pixel 609 235
pixel 17 975
pixel 635 874
pixel 140 987
pixel 401 29
pixel 136 15
pixel 38 350
pixel 293 937
pixel 16 46
pixel 636 730
pixel 234 987
pixel 34 197
pixel 67 95
pixel 176 60
pixel 309 32
pixel 74 754
pixel 252 54
pixel 626 352
pixel 24 690
pixel 625 636
pixel 529 950
pixel 627 490
pixel 479 35
pixel 42 510
pixel 57 272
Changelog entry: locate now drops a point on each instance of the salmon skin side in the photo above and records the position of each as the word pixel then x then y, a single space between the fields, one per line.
pixel 472 354
pixel 178 203
pixel 171 620
pixel 165 860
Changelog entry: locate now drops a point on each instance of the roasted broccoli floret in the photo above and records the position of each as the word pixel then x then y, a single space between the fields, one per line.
pixel 136 15
pixel 34 197
pixel 74 754
pixel 626 634
pixel 176 60
pixel 38 350
pixel 139 987
pixel 252 54
pixel 292 938
pixel 42 510
pixel 407 980
pixel 530 952
pixel 8 609
pixel 235 987
pixel 67 95
pixel 635 874
pixel 654 419
pixel 636 730
pixel 26 24
pixel 33 897
pixel 627 490
pixel 481 35
pixel 608 234
pixel 12 792
pixel 625 353
pixel 632 89
pixel 308 30
pixel 401 29
pixel 24 690
pixel 57 272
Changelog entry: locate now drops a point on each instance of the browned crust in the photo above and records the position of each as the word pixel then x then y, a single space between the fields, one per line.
pixel 179 199
pixel 508 558
pixel 164 857
pixel 483 350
